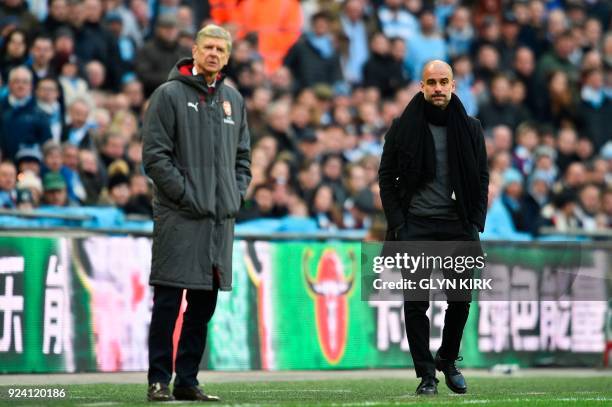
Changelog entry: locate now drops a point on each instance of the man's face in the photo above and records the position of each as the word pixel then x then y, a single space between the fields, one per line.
pixel 78 114
pixel 428 22
pixel 524 62
pixel 114 147
pixel 501 90
pixel 8 177
pixel 47 91
pixel 59 10
pixel 437 84
pixel 53 160
pixel 210 55
pixel 42 51
pixel 70 157
pixel 20 84
pixel 168 34
pixel 320 26
pixel 56 197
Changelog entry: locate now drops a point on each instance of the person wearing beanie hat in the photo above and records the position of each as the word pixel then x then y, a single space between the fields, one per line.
pixel 536 197
pixel 29 158
pixel 512 197
pixel 119 189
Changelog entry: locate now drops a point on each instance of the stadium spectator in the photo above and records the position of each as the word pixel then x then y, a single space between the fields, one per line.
pixel 595 107
pixel 94 42
pixel 55 194
pixel 607 209
pixel 459 33
pixel 95 73
pixel 536 197
pixel 48 100
pixel 425 45
pixel 125 44
pixel 15 14
pixel 464 83
pixel 567 144
pixel 382 70
pixel 41 55
pixel 158 55
pixel 8 182
pixel 313 58
pixel 117 191
pixel 589 206
pixel 558 59
pixel 91 176
pixel 78 130
pixel 500 109
pixel 53 162
pixel 523 69
pixel 58 16
pixel 22 123
pixel 129 25
pixel 509 38
pixel 527 139
pixel 279 126
pixel 561 212
pixel 14 52
pixel 32 183
pixel 357 30
pixel 395 21
pixel 324 208
pixel 139 202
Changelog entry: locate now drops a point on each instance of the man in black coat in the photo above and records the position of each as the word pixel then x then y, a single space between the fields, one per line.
pixel 313 58
pixel 197 152
pixel 433 185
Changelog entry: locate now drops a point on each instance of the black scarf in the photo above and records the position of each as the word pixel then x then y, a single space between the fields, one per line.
pixel 418 163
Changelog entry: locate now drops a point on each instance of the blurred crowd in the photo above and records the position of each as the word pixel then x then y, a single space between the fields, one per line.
pixel 322 81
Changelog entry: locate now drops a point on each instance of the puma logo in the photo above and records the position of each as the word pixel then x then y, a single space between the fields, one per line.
pixel 194 105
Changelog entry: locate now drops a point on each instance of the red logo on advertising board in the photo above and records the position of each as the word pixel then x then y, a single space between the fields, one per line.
pixel 330 289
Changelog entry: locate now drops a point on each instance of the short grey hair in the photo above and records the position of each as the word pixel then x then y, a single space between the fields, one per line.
pixel 15 70
pixel 214 31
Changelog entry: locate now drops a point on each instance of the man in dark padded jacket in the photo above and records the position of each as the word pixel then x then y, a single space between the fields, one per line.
pixel 433 185
pixel 196 151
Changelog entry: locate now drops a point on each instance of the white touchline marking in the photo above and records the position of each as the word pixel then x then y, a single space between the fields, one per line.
pixel 290 391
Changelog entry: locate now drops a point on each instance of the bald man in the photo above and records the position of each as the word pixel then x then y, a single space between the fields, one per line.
pixel 433 184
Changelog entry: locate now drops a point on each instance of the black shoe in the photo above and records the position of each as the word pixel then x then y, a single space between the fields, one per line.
pixel 428 386
pixel 193 393
pixel 159 392
pixel 454 379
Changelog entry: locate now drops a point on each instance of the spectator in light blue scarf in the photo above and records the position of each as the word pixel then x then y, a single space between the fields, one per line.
pixel 354 28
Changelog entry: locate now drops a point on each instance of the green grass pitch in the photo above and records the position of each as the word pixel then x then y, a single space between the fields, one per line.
pixel 493 391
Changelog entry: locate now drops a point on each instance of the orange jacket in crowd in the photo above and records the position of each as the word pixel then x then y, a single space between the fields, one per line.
pixel 278 24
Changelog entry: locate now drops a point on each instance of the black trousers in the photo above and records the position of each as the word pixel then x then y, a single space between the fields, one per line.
pixel 166 306
pixel 416 320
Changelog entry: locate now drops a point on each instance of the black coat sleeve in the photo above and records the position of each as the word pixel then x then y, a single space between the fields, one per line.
pixel 243 157
pixel 483 176
pixel 158 146
pixel 388 180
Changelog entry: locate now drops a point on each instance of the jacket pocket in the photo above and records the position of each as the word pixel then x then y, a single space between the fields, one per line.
pixel 235 196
